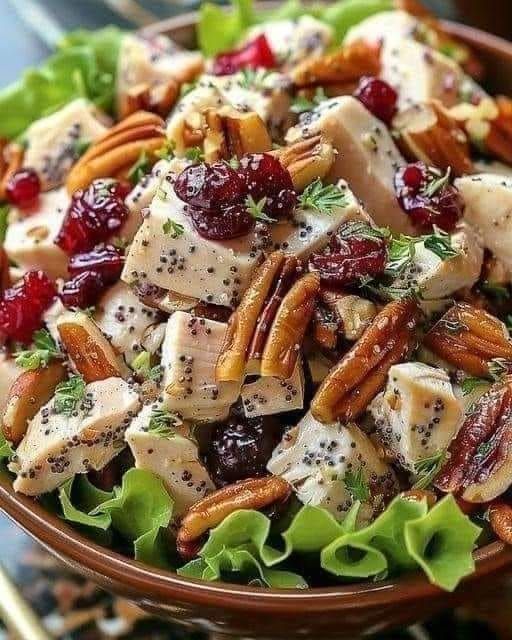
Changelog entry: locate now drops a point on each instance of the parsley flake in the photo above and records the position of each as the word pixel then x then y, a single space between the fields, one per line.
pixel 498 291
pixel 256 211
pixel 427 469
pixel 45 350
pixel 436 184
pixel 173 228
pixel 166 151
pixel 194 154
pixel 68 394
pixel 301 104
pixel 471 383
pixel 357 485
pixel 440 244
pixel 140 168
pixel 322 198
pixel 163 423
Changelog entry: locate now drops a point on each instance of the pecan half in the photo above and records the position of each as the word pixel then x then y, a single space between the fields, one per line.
pixel 479 461
pixel 119 149
pixel 158 99
pixel 287 332
pixel 428 133
pixel 307 160
pixel 325 328
pixel 500 519
pixel 346 65
pixel 12 161
pixel 361 373
pixel 253 493
pixel 469 338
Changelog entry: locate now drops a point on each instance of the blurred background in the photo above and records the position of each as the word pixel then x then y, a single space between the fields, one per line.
pixel 76 610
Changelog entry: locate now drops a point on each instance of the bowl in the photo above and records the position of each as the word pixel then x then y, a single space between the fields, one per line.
pixel 344 611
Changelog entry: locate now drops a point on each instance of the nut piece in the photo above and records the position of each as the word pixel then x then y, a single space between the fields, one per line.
pixel 479 463
pixel 500 519
pixel 242 323
pixel 361 374
pixel 158 99
pixel 307 160
pixel 428 133
pixel 346 65
pixel 89 350
pixel 354 313
pixel 119 149
pixel 469 338
pixel 499 138
pixel 287 332
pixel 27 395
pixel 253 493
pixel 12 160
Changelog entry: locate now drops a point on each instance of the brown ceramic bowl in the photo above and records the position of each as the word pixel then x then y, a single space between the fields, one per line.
pixel 341 611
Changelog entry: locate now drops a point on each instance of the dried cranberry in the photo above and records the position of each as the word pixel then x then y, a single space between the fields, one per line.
pixel 105 260
pixel 255 54
pixel 83 290
pixel 378 97
pixel 94 215
pixel 265 177
pixel 22 306
pixel 354 253
pixel 428 197
pixel 210 186
pixel 222 224
pixel 241 448
pixel 23 188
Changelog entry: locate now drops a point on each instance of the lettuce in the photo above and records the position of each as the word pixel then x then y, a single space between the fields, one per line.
pixel 84 66
pixel 78 497
pixel 6 450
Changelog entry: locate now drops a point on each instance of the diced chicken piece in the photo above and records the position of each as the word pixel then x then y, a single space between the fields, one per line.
pixel 355 314
pixel 173 456
pixel 488 199
pixel 124 319
pixel 367 157
pixel 183 261
pixel 57 446
pixel 30 239
pixel 383 26
pixel 436 278
pixel 417 415
pixel 321 462
pixel 267 395
pixel 55 143
pixel 293 40
pixel 189 356
pixel 154 61
pixel 9 373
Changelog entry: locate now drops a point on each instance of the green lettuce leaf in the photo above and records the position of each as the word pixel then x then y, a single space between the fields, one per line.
pixel 84 66
pixel 6 450
pixel 346 14
pixel 78 497
pixel 442 542
pixel 220 30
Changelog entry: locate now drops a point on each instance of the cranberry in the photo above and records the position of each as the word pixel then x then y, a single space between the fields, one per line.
pixel 94 215
pixel 23 188
pixel 210 186
pixel 378 97
pixel 354 253
pixel 255 54
pixel 222 224
pixel 241 448
pixel 105 260
pixel 83 290
pixel 265 177
pixel 23 305
pixel 428 197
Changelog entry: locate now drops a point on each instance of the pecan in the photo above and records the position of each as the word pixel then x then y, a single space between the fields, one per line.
pixel 479 461
pixel 287 332
pixel 354 314
pixel 500 519
pixel 27 395
pixel 243 321
pixel 119 149
pixel 361 373
pixel 325 328
pixel 253 493
pixel 469 338
pixel 158 99
pixel 344 66
pixel 307 160
pixel 428 133
pixel 12 161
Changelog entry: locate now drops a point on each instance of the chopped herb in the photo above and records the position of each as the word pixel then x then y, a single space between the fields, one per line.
pixel 363 230
pixel 234 162
pixel 68 394
pixel 4 220
pixel 498 291
pixel 498 367
pixel 484 449
pixel 322 198
pixel 166 151
pixel 45 350
pixel 437 184
pixel 470 383
pixel 187 87
pixel 119 243
pixel 163 423
pixel 256 209
pixel 401 252
pixel 194 154
pixel 357 485
pixel 173 228
pixel 142 366
pixel 80 146
pixel 301 104
pixel 161 193
pixel 427 469
pixel 440 244
pixel 140 168
pixel 253 78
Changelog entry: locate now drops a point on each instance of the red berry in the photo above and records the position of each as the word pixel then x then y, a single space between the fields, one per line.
pixel 105 260
pixel 94 215
pixel 210 186
pixel 255 54
pixel 428 197
pixel 265 177
pixel 83 290
pixel 222 224
pixel 23 305
pixel 378 97
pixel 352 254
pixel 23 188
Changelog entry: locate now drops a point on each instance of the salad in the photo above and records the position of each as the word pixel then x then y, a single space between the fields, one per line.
pixel 255 298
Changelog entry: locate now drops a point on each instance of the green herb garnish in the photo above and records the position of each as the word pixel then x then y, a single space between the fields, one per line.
pixel 194 154
pixel 322 198
pixel 80 146
pixel 498 291
pixel 498 367
pixel 173 228
pixel 140 168
pixel 255 209
pixel 68 394
pixel 427 469
pixel 44 351
pixel 471 383
pixel 301 104
pixel 437 184
pixel 142 366
pixel 163 423
pixel 440 243
pixel 357 485
pixel 166 151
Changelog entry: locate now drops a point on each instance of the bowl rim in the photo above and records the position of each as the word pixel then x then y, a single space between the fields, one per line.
pixel 159 585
